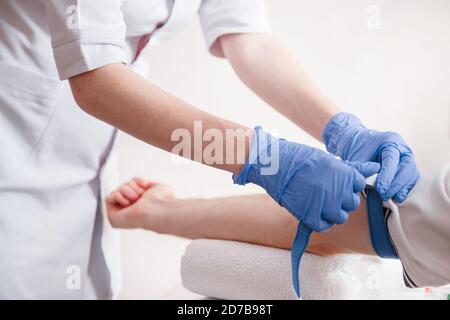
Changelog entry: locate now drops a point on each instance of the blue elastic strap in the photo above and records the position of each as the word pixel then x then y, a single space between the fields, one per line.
pixel 298 248
pixel 379 233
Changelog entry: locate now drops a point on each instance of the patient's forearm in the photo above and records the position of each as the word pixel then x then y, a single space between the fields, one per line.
pixel 120 97
pixel 258 219
pixel 267 68
pixel 254 219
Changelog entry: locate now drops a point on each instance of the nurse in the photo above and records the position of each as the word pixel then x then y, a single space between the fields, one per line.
pixel 66 64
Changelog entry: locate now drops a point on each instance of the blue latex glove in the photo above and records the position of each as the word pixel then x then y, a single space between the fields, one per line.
pixel 345 136
pixel 318 189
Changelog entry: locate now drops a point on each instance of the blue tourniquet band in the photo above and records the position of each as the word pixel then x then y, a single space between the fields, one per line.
pixel 379 233
pixel 298 249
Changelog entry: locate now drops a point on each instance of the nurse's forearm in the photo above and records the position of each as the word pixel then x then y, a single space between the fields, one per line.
pixel 274 74
pixel 120 97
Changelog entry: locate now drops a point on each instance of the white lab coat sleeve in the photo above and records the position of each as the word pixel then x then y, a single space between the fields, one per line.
pixel 86 34
pixel 220 17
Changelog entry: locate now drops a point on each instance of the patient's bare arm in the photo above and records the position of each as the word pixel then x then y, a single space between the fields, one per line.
pixel 254 219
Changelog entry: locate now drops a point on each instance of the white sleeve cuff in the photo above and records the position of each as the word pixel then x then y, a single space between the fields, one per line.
pixel 215 48
pixel 75 58
pixel 232 16
pixel 85 34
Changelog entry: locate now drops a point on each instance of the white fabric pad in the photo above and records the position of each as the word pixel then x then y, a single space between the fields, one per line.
pixel 239 271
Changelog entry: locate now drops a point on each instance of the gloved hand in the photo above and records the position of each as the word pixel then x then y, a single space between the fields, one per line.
pixel 318 189
pixel 345 136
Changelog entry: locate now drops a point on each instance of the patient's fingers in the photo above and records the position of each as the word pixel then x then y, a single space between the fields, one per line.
pixel 143 183
pixel 110 199
pixel 128 193
pixel 120 199
pixel 136 188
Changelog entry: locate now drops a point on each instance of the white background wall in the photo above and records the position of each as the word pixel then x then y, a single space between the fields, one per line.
pixel 395 78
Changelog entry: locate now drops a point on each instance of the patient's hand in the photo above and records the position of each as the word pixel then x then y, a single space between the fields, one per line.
pixel 138 204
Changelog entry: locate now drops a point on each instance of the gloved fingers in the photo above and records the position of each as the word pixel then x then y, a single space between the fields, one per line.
pixel 359 181
pixel 313 216
pixel 310 211
pixel 405 180
pixel 325 226
pixel 335 216
pixel 359 171
pixel 390 160
pixel 367 169
pixel 351 202
pixel 322 225
pixel 398 182
pixel 403 194
pixel 343 217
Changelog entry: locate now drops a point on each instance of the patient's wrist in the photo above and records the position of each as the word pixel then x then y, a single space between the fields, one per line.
pixel 157 216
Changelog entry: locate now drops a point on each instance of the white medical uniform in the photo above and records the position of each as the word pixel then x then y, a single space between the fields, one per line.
pixel 55 160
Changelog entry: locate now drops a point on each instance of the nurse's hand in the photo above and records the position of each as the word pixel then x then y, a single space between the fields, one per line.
pixel 139 204
pixel 345 136
pixel 312 185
